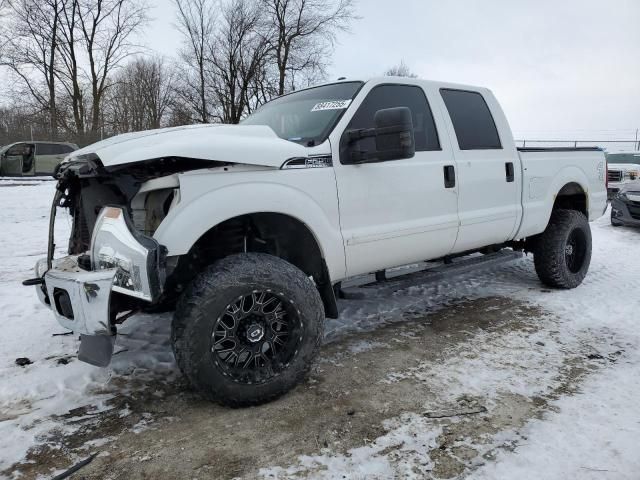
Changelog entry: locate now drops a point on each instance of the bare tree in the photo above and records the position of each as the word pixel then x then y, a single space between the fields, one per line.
pixel 157 80
pixel 304 32
pixel 18 123
pixel 30 52
pixel 70 57
pixel 400 70
pixel 196 22
pixel 70 72
pixel 141 96
pixel 252 50
pixel 106 28
pixel 178 114
pixel 237 56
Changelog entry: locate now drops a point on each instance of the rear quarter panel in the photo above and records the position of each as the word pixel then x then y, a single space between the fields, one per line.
pixel 544 175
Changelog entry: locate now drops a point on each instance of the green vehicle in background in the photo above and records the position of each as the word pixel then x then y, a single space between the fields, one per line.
pixel 28 159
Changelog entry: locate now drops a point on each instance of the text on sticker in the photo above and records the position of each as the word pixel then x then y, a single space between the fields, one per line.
pixel 332 105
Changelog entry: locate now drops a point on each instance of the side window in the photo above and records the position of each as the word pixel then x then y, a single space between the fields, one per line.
pixel 388 96
pixel 52 149
pixel 472 120
pixel 45 149
pixel 18 149
pixel 64 149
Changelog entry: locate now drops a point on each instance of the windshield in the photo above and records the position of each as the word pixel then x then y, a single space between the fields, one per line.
pixel 623 158
pixel 307 116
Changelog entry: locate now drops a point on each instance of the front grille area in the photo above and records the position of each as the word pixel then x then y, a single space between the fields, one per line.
pixel 85 200
pixel 614 175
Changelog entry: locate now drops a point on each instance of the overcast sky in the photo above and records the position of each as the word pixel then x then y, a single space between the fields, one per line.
pixel 559 67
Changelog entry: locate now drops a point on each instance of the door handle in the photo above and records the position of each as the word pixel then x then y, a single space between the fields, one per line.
pixel 449 176
pixel 508 168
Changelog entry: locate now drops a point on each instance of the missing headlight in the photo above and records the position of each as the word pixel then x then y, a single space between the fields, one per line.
pixel 137 258
pixel 157 205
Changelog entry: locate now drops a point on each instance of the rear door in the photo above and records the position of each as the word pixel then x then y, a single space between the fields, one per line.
pixel 48 155
pixel 398 211
pixel 488 169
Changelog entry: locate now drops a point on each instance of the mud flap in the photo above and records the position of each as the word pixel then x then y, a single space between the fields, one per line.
pixel 96 349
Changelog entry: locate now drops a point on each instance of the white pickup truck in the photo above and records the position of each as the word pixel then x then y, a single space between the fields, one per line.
pixel 246 230
pixel 622 168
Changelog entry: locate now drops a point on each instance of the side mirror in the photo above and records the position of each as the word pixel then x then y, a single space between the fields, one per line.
pixel 393 134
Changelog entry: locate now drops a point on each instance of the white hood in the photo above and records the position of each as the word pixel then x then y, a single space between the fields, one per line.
pixel 250 144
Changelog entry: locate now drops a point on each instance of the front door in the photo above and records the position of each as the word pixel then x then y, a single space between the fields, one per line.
pixel 399 211
pixel 18 160
pixel 48 156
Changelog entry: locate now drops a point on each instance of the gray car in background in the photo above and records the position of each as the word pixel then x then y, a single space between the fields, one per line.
pixel 625 205
pixel 31 158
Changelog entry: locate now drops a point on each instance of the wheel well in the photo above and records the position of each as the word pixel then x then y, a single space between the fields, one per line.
pixel 273 233
pixel 571 197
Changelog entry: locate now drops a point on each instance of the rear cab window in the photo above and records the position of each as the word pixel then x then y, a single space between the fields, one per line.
pixel 472 120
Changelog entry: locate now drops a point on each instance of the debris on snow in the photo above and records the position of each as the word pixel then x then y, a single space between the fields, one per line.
pixel 23 361
pixel 76 467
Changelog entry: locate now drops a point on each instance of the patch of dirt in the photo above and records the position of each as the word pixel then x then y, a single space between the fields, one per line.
pixel 166 431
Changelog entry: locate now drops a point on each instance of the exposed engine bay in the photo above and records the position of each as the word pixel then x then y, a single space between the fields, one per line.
pixel 85 186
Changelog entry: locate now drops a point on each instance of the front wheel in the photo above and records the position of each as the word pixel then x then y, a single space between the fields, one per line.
pixel 563 251
pixel 247 329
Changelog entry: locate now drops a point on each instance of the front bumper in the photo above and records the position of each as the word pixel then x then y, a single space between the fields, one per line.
pixel 625 212
pixel 614 187
pixel 79 299
pixel 79 288
pixel 612 192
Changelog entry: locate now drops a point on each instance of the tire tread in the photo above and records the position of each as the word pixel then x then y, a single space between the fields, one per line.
pixel 191 316
pixel 549 252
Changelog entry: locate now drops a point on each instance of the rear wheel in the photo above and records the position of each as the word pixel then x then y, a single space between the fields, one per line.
pixel 248 329
pixel 563 251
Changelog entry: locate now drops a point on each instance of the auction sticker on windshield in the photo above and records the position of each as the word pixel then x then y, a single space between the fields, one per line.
pixel 331 105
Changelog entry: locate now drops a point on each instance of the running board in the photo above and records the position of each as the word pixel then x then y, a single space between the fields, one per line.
pixel 428 271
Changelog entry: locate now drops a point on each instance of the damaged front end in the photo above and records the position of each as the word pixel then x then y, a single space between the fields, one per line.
pixel 114 266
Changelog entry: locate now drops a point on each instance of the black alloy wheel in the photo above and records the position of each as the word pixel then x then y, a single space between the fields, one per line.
pixel 256 337
pixel 575 250
pixel 247 329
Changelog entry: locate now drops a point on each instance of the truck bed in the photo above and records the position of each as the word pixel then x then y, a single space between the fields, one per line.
pixel 546 171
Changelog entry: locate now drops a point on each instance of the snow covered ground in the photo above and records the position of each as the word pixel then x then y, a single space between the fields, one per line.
pixel 574 360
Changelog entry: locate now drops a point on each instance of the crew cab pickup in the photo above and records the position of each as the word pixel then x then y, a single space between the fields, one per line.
pixel 246 231
pixel 622 168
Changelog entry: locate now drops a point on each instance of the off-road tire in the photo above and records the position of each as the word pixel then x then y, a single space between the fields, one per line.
pixel 554 264
pixel 210 293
